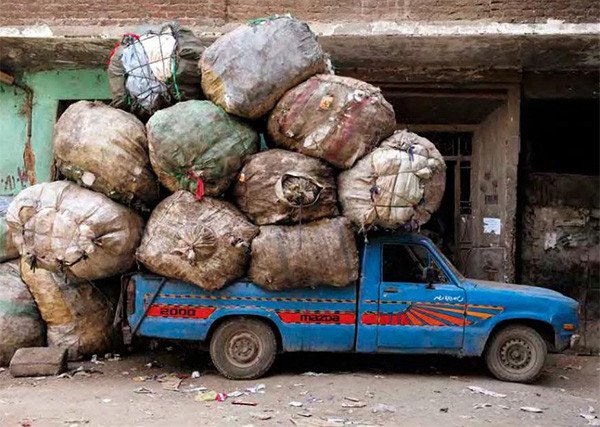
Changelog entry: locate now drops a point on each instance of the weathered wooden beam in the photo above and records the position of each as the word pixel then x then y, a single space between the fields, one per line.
pixel 6 78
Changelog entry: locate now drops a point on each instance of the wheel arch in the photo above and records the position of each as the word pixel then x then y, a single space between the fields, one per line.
pixel 545 329
pixel 215 325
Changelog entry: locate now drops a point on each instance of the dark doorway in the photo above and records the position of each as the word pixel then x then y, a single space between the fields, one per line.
pixel 63 104
pixel 561 136
pixel 447 225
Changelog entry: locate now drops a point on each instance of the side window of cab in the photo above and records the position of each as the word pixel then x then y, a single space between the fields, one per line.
pixel 406 263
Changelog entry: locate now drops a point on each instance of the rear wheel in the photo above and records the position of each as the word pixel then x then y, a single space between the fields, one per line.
pixel 516 353
pixel 243 348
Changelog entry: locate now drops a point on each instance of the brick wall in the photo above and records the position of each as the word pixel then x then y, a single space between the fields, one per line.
pixel 207 12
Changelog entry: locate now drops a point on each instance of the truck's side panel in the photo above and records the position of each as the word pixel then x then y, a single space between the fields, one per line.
pixel 322 319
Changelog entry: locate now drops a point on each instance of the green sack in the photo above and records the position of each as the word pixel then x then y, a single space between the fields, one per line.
pixel 196 144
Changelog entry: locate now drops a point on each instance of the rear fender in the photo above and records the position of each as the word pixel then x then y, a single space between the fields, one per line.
pixel 221 315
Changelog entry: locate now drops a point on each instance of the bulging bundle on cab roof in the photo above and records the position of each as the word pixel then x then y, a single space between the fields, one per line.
pixel 248 69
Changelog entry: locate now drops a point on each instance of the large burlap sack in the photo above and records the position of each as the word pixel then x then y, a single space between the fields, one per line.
pixel 248 69
pixel 205 242
pixel 196 146
pixel 78 316
pixel 8 250
pixel 338 119
pixel 398 185
pixel 154 67
pixel 60 226
pixel 105 149
pixel 20 321
pixel 318 253
pixel 280 187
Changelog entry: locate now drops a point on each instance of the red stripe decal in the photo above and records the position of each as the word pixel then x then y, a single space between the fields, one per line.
pixel 317 317
pixel 180 311
pixel 369 319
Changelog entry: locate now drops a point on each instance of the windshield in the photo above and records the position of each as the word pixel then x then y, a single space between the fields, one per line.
pixel 451 266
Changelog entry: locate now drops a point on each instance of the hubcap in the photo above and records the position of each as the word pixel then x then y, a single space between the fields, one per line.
pixel 243 349
pixel 516 354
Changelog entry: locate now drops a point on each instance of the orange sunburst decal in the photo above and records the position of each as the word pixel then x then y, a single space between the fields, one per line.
pixel 433 314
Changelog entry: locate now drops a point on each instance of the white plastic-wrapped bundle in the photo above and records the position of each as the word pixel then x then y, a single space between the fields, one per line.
pixel 397 185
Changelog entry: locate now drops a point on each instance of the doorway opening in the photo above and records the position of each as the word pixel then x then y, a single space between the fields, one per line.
pixel 448 224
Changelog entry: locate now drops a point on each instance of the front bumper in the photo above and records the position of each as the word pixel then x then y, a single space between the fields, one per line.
pixel 574 340
pixel 566 340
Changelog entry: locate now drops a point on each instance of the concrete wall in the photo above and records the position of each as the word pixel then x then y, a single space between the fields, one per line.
pixel 493 193
pixel 561 241
pixel 203 12
pixel 27 117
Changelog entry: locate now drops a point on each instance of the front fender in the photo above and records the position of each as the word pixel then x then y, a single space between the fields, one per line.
pixel 477 335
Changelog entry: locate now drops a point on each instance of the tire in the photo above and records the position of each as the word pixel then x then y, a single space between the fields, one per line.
pixel 243 348
pixel 517 354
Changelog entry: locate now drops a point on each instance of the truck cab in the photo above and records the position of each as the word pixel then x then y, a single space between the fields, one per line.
pixel 409 299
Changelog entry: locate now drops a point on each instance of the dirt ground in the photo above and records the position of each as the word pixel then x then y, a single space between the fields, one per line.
pixel 341 390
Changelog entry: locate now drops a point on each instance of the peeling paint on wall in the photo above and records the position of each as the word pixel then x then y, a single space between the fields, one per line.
pixel 27 121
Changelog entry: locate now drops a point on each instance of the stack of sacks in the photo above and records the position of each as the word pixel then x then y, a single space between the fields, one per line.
pixel 286 217
pixel 274 70
pixel 68 236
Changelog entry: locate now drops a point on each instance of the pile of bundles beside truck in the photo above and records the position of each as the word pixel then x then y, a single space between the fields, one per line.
pixel 181 177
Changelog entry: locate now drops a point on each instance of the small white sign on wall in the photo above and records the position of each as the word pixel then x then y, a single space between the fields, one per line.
pixel 492 226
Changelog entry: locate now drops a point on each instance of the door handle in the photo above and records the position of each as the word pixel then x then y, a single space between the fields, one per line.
pixel 390 290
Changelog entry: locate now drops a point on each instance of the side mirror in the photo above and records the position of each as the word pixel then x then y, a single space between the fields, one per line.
pixel 431 276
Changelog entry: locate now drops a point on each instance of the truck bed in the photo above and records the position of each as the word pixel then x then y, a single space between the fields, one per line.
pixel 319 319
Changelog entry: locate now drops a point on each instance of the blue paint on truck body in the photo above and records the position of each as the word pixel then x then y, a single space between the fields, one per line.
pixel 383 312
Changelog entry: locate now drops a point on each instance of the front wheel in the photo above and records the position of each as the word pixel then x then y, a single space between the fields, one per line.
pixel 516 353
pixel 243 348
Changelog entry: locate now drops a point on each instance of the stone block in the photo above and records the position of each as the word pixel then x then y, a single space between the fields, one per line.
pixel 38 362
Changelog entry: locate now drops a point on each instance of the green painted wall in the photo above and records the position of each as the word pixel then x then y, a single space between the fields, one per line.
pixel 48 89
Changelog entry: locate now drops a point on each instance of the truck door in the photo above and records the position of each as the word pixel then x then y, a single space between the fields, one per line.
pixel 412 314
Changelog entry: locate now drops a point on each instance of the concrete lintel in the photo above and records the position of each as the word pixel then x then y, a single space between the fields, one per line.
pixel 353 46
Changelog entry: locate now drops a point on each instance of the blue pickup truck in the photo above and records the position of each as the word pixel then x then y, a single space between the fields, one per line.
pixel 409 299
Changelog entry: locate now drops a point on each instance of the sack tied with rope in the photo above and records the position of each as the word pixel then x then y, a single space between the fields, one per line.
pixel 62 227
pixel 398 185
pixel 283 187
pixel 205 242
